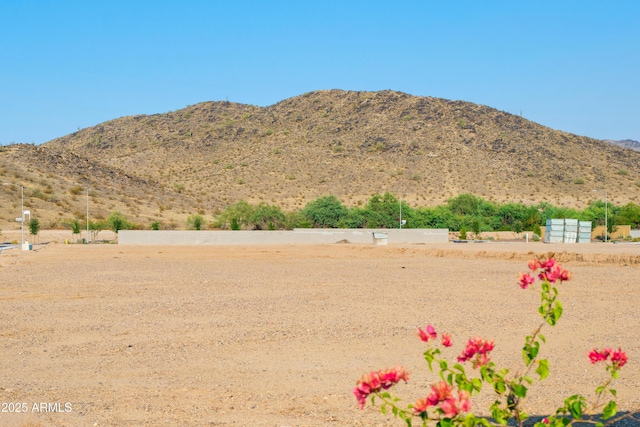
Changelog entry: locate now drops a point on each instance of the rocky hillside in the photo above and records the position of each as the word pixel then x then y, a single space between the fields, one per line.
pixel 351 144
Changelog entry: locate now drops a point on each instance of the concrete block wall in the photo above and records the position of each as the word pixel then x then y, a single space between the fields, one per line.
pixel 299 236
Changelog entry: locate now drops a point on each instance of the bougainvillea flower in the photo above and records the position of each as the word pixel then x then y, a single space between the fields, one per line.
pixel 550 271
pixel 446 340
pixel 477 349
pixel 619 358
pixel 427 334
pixel 548 264
pixel 376 381
pixel 420 406
pixel 596 356
pixel 442 396
pixel 534 264
pixel 525 280
pixel 439 393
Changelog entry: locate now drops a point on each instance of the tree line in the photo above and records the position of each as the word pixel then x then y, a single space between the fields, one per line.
pixel 461 213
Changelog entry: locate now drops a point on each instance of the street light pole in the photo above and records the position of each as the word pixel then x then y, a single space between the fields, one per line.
pixel 21 211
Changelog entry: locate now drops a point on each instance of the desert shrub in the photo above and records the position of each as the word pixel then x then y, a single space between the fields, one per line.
pixel 195 222
pixel 463 233
pixel 155 225
pixel 75 190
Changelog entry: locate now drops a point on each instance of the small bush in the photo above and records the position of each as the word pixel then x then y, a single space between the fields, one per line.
pixel 75 190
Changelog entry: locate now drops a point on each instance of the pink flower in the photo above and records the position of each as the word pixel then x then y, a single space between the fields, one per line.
pixel 446 340
pixel 548 264
pixel 442 396
pixel 477 349
pixel 376 381
pixel 549 271
pixel 420 406
pixel 534 264
pixel 598 356
pixel 619 358
pixel 545 420
pixel 439 393
pixel 565 275
pixel 525 280
pixel 427 334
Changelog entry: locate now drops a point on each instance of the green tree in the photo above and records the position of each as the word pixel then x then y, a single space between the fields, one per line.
pixel 194 222
pixel 235 217
pixel 355 218
pixel 325 212
pixel 384 211
pixel 34 227
pixel 629 214
pixel 117 221
pixel 96 227
pixel 438 217
pixel 476 227
pixel 267 217
pixel 75 227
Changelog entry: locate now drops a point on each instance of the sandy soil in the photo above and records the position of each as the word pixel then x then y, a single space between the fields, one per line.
pixel 108 335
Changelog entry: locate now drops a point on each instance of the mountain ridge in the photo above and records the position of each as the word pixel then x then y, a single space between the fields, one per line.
pixel 351 144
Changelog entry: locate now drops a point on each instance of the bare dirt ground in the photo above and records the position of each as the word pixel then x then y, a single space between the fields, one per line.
pixel 108 335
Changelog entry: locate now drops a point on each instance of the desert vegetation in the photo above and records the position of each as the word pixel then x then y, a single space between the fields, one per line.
pixel 462 213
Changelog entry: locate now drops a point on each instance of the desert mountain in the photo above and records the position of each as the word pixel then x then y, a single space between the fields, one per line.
pixel 625 143
pixel 350 144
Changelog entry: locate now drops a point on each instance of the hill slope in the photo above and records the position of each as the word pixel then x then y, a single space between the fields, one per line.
pixel 351 144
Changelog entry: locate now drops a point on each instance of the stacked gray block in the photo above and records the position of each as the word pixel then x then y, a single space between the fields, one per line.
pixel 567 231
pixel 584 232
pixel 570 231
pixel 554 231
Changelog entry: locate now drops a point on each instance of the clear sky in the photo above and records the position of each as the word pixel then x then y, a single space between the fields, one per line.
pixel 572 65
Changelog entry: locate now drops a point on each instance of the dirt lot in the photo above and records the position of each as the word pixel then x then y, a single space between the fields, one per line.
pixel 108 335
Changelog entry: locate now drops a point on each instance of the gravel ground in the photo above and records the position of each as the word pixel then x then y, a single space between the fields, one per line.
pixel 278 335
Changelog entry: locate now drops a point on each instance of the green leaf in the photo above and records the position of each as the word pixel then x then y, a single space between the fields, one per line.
pixel 543 369
pixel 528 379
pixel 519 390
pixel 477 384
pixel 542 338
pixel 383 409
pixel 458 367
pixel 609 410
pixel 443 365
pixel 599 424
pixel 576 409
pixel 612 391
pixel 500 387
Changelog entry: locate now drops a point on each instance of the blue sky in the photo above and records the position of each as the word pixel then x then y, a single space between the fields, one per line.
pixel 570 65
